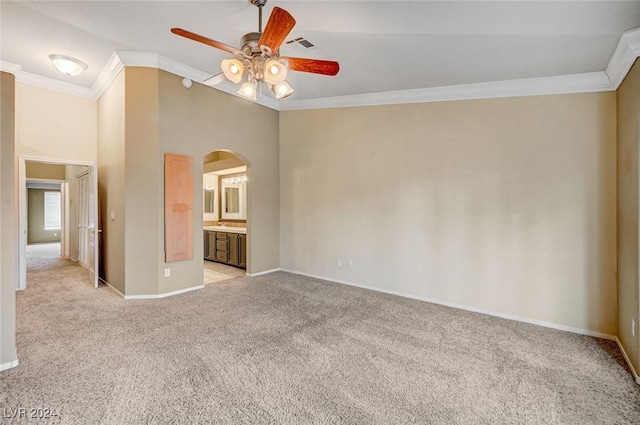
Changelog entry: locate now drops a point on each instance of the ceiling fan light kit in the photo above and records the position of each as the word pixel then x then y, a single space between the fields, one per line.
pixel 281 90
pixel 275 71
pixel 260 57
pixel 249 90
pixel 232 69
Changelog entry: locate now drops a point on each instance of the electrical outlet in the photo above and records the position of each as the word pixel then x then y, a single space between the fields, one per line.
pixel 633 327
pixel 339 262
pixel 350 264
pixel 167 272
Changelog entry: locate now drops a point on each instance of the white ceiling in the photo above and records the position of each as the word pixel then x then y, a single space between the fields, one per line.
pixel 382 46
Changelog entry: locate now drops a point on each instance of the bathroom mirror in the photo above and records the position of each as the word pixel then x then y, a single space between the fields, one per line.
pixel 210 197
pixel 209 200
pixel 234 199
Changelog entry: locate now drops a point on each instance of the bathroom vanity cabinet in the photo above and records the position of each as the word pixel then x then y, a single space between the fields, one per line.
pixel 226 247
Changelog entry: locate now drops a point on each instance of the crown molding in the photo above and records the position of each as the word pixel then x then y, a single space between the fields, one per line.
pixel 153 60
pixel 563 84
pixel 9 67
pixel 626 53
pixel 45 82
pixel 627 50
pixel 109 72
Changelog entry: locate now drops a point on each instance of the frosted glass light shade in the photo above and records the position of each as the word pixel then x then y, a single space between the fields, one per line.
pixel 282 90
pixel 68 65
pixel 274 71
pixel 248 90
pixel 232 69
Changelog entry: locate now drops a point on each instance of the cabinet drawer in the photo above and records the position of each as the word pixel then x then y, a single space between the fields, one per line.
pixel 221 235
pixel 222 256
pixel 221 245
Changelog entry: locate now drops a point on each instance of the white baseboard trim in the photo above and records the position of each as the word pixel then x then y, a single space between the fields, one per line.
pixel 636 377
pixel 150 297
pixel 166 294
pixel 467 308
pixel 8 365
pixel 264 272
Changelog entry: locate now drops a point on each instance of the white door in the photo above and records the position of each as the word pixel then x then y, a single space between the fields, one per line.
pixel 82 215
pixel 94 232
pixel 88 232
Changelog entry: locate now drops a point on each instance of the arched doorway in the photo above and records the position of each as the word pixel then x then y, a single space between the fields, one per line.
pixel 224 192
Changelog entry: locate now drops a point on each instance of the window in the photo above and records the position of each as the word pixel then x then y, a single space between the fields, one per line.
pixel 52 211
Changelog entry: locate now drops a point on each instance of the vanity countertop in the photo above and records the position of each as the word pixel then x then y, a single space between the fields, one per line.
pixel 228 229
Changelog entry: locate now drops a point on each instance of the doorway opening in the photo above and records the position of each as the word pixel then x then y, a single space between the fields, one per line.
pixel 225 212
pixel 58 210
pixel 46 214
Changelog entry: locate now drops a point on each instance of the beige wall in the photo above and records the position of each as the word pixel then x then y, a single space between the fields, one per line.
pixel 628 194
pixel 8 222
pixel 144 189
pixel 39 170
pixel 111 133
pixel 36 233
pixel 504 205
pixel 54 125
pixel 201 120
pixel 160 115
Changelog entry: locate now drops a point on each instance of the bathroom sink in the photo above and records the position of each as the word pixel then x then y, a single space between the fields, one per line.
pixel 229 229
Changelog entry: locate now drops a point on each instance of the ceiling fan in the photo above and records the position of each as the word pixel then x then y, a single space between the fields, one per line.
pixel 260 56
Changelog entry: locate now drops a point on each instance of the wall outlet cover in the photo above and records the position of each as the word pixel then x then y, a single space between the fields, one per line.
pixel 167 272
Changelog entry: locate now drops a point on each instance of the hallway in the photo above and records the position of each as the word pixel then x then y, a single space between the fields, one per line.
pixel 44 256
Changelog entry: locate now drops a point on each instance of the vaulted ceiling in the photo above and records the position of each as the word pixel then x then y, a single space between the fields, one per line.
pixel 382 46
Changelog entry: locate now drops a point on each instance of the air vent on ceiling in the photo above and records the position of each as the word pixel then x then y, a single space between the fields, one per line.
pixel 302 41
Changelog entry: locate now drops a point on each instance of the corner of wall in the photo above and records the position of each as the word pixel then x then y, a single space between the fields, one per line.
pixel 8 223
pixel 628 196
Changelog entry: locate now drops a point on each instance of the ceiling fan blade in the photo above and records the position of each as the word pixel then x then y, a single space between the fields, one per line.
pixel 315 66
pixel 207 41
pixel 278 27
pixel 214 80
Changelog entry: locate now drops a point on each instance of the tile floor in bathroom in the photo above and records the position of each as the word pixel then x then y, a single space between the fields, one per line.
pixel 217 272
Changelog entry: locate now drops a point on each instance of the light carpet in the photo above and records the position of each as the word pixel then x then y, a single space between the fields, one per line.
pixel 287 349
pixel 44 256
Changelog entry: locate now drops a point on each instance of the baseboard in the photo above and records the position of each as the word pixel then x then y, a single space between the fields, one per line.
pixel 466 307
pixel 166 294
pixel 264 272
pixel 113 288
pixel 8 365
pixel 626 359
pixel 150 297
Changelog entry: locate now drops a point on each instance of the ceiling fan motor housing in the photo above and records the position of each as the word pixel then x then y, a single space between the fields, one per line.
pixel 249 43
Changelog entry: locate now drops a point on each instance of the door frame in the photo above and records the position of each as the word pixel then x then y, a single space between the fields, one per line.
pixel 22 206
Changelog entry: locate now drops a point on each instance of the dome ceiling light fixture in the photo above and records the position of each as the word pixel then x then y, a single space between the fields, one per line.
pixel 259 61
pixel 68 65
